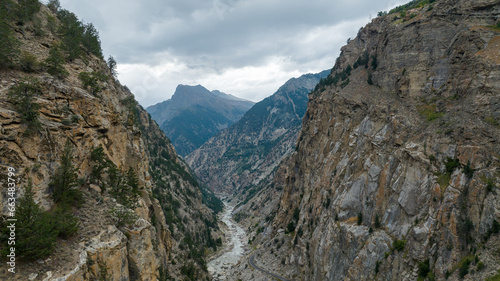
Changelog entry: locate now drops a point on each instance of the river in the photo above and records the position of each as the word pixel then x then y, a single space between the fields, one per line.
pixel 233 249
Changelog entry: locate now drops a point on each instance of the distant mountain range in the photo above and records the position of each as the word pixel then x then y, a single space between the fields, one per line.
pixel 195 114
pixel 250 150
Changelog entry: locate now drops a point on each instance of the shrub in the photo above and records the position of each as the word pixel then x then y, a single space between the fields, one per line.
pixel 123 216
pixel 480 265
pixel 66 223
pixel 468 171
pixel 360 218
pixel 424 268
pixel 90 81
pixel 429 112
pixel 464 267
pixel 374 62
pixel 370 80
pixel 290 227
pixel 398 245
pixel 28 62
pixel 490 184
pixel 451 165
pixel 22 96
pixel 377 221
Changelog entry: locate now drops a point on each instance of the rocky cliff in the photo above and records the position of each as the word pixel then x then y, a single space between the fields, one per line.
pixel 246 155
pixel 195 114
pixel 162 231
pixel 397 167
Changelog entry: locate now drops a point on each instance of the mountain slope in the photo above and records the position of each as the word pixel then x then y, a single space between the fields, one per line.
pixel 248 152
pixel 397 168
pixel 141 215
pixel 194 114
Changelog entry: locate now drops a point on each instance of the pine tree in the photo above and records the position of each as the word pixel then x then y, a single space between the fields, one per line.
pixel 35 230
pixel 55 62
pixel 71 30
pixel 54 5
pixel 112 66
pixel 22 97
pixel 65 179
pixel 26 10
pixel 9 45
pixel 91 40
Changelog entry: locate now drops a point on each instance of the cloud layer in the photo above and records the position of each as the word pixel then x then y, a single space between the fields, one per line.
pixel 247 48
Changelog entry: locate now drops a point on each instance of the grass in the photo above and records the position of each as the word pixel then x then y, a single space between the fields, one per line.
pixel 429 112
pixel 495 27
pixel 491 121
pixel 495 277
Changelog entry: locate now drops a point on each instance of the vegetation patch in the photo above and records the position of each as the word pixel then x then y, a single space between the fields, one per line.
pixel 429 112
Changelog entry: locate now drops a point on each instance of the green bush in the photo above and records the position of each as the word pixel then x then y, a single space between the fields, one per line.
pixel 123 216
pixel 28 62
pixel 424 268
pixel 290 227
pixel 377 223
pixel 480 265
pixel 468 171
pixel 90 81
pixel 360 218
pixel 22 96
pixel 451 165
pixel 398 245
pixel 66 223
pixel 464 267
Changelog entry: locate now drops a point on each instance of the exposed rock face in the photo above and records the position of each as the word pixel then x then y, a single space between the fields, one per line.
pixel 195 114
pixel 373 181
pixel 111 119
pixel 250 151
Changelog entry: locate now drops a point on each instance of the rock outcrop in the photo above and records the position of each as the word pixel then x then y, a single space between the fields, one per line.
pixel 149 247
pixel 396 172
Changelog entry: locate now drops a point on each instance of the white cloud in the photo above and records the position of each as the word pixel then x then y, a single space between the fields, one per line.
pixel 247 48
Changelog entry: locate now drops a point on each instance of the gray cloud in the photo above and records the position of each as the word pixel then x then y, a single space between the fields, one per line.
pixel 206 41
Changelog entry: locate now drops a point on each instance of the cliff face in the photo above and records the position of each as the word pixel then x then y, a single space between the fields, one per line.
pixel 149 246
pixel 195 114
pixel 396 173
pixel 247 153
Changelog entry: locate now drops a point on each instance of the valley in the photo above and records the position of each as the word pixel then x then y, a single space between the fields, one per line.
pixel 385 167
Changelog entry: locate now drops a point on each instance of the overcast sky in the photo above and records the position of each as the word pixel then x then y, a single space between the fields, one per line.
pixel 247 48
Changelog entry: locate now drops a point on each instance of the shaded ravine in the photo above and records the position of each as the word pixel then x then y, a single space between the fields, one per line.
pixel 233 250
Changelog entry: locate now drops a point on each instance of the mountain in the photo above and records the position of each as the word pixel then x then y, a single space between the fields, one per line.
pixel 194 114
pixel 396 172
pixel 100 192
pixel 250 150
